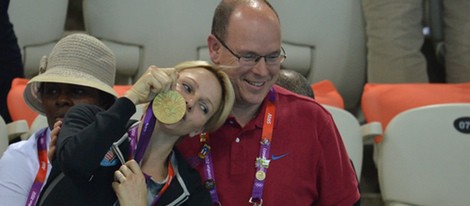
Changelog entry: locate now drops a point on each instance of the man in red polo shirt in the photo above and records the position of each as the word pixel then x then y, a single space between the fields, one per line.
pixel 277 148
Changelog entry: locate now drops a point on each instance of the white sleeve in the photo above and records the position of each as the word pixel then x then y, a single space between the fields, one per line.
pixel 18 167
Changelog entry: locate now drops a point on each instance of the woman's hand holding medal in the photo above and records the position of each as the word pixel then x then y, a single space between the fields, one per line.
pixel 152 82
pixel 169 106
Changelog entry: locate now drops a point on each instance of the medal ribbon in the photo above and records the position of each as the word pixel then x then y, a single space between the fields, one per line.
pixel 262 162
pixel 42 172
pixel 142 141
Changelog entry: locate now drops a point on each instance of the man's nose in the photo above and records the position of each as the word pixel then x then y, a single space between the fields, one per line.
pixel 64 99
pixel 261 67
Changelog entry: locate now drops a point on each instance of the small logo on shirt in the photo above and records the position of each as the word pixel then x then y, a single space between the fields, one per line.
pixel 109 159
pixel 276 157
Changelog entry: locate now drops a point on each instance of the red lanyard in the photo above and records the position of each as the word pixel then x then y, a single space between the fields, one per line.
pixel 262 161
pixel 171 174
pixel 42 172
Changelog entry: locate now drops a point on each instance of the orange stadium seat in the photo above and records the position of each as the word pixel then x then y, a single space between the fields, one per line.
pixel 17 107
pixel 326 93
pixel 382 102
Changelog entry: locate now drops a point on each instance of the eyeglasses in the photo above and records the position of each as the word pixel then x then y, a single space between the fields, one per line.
pixel 250 59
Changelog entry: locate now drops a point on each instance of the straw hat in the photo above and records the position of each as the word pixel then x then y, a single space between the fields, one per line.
pixel 78 59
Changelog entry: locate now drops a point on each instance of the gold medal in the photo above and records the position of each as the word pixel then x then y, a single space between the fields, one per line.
pixel 260 175
pixel 169 107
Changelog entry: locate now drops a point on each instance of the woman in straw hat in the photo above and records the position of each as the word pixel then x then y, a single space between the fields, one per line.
pixel 79 70
pixel 152 172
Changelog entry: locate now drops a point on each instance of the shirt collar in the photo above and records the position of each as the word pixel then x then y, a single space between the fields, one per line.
pixel 256 122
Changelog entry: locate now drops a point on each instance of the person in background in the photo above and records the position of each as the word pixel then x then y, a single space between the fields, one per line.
pixel 79 70
pixel 11 65
pixel 277 147
pixel 295 82
pixel 92 140
pixel 395 36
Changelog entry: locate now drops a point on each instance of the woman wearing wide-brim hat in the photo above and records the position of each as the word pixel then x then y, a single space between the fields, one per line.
pixel 79 70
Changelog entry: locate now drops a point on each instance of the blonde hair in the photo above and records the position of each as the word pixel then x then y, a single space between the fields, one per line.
pixel 228 95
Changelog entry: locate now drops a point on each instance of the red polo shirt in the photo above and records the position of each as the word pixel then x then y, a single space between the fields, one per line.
pixel 310 167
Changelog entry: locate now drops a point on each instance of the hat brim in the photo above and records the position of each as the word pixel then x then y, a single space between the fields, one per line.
pixel 62 76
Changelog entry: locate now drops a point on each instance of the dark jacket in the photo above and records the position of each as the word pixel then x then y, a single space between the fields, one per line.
pixel 85 137
pixel 11 63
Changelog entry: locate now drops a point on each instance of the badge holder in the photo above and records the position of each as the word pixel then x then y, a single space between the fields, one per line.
pixel 256 202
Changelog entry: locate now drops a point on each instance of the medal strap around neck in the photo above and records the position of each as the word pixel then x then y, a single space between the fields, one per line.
pixel 42 172
pixel 138 145
pixel 143 140
pixel 262 162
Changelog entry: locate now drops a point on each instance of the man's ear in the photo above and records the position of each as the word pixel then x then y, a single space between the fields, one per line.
pixel 214 48
pixel 196 132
